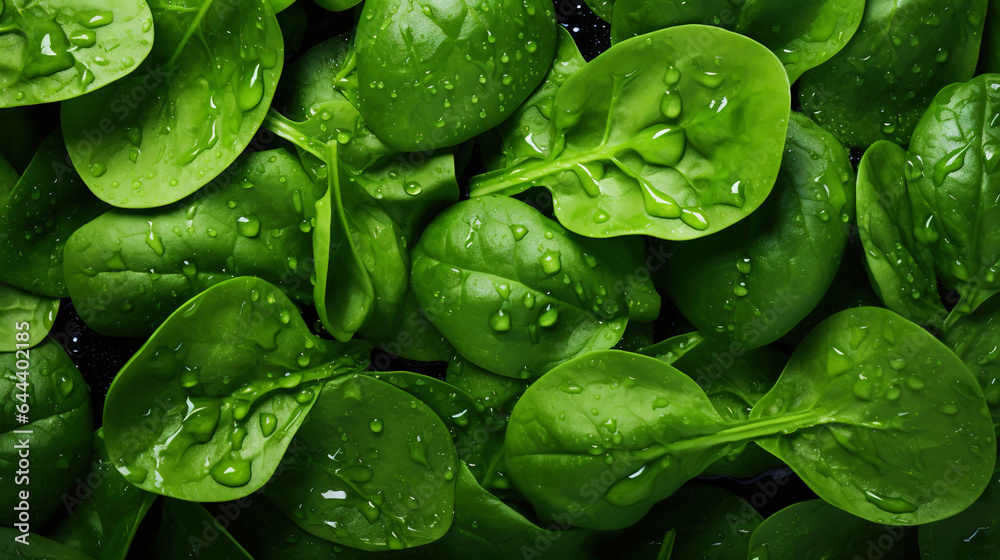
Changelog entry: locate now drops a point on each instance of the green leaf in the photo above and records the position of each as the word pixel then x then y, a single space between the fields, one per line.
pixel 488 529
pixel 815 529
pixel 754 281
pixel 478 442
pixel 602 8
pixel 436 73
pixel 188 530
pixel 23 308
pixel 104 510
pixel 609 417
pixel 955 189
pixel 377 471
pixel 877 87
pixel 60 49
pixel 60 422
pixel 802 34
pixel 968 535
pixel 48 204
pixel 974 338
pixel 127 270
pixel 894 412
pixel 206 408
pixel 378 203
pixel 871 411
pixel 493 275
pixel 38 547
pixel 187 112
pixel 699 521
pixel 642 143
pixel 527 133
pixel 900 266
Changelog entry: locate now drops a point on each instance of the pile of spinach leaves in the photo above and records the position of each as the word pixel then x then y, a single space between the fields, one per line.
pixel 615 302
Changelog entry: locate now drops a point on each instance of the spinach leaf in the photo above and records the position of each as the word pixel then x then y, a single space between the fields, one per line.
pixel 356 483
pixel 478 448
pixel 704 522
pixel 974 338
pixel 188 530
pixel 663 135
pixel 674 348
pixel 127 270
pixel 956 188
pixel 592 438
pixel 527 133
pixel 267 534
pixel 44 385
pixel 23 308
pixel 496 395
pixel 487 528
pixel 878 85
pixel 877 384
pixel 815 529
pixel 802 35
pixel 363 267
pixel 436 73
pixel 483 526
pixel 58 49
pixel 364 281
pixel 969 535
pixel 48 203
pixel 900 266
pixel 493 274
pixel 602 8
pixel 104 510
pixel 38 547
pixel 206 408
pixel 848 431
pixel 754 281
pixel 378 201
pixel 323 106
pixel 187 112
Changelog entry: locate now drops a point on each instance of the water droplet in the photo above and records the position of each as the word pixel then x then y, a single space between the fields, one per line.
pixel 889 504
pixel 670 105
pixel 550 262
pixel 500 321
pixel 694 218
pixel 375 425
pixel 268 423
pixel 549 316
pixel 248 226
pixel 232 473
